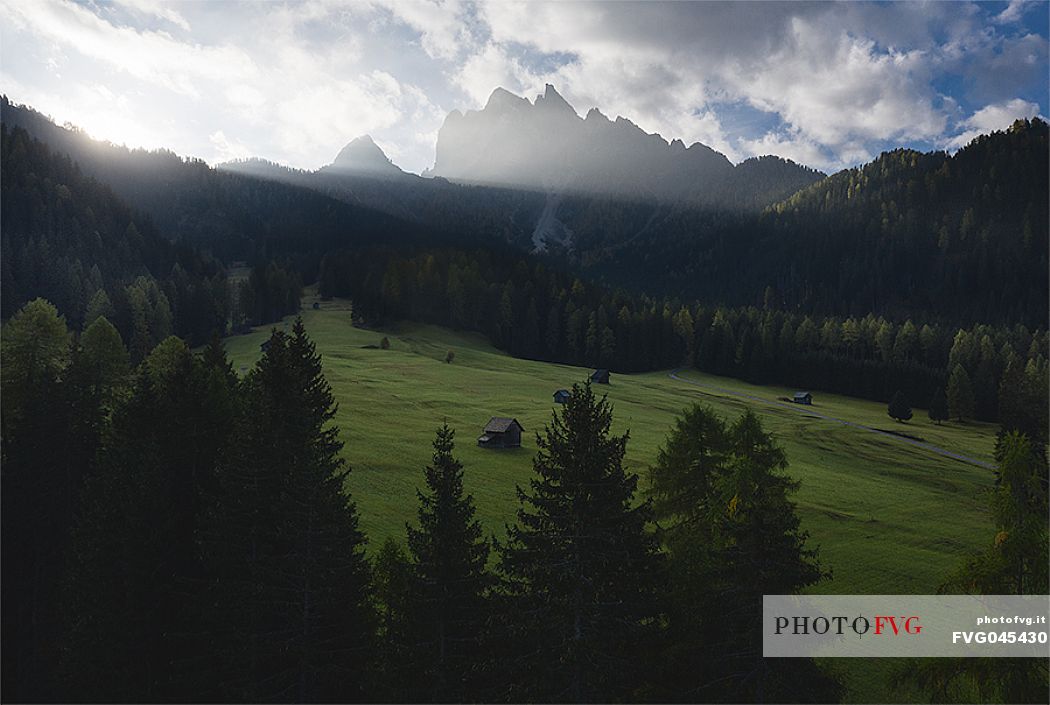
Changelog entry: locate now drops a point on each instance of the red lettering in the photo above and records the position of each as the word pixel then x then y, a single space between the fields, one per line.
pixel 879 619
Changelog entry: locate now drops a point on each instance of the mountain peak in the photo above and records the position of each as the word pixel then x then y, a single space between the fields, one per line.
pixel 595 114
pixel 552 100
pixel 502 98
pixel 364 156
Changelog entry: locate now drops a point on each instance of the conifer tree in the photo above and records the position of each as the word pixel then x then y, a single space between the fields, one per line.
pixel 759 549
pixel 961 402
pixel 732 535
pixel 899 408
pixel 36 492
pixel 448 558
pixel 293 607
pixel 938 410
pixel 136 580
pixel 582 569
pixel 683 481
pixel 1014 562
pixel 396 675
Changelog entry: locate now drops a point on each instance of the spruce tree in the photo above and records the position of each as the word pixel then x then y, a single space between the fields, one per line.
pixel 938 411
pixel 396 677
pixel 899 408
pixel 449 557
pixel 581 567
pixel 961 402
pixel 293 611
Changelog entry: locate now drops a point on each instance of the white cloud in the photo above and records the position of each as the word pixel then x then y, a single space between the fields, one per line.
pixel 156 8
pixel 794 147
pixel 489 68
pixel 147 55
pixel 226 149
pixel 443 25
pixel 990 118
pixel 834 90
pixel 1013 11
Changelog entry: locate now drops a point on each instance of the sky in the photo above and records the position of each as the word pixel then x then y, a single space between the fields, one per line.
pixel 829 85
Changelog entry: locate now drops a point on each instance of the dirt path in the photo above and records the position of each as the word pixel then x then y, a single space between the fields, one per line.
pixel 809 411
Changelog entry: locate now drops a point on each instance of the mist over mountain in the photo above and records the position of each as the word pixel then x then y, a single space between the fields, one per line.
pixel 545 145
pixel 364 156
pixel 537 175
pixel 252 209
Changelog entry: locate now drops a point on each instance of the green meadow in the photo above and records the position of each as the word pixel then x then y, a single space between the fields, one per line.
pixel 889 517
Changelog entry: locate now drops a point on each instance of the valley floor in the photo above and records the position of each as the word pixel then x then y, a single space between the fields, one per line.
pixel 889 514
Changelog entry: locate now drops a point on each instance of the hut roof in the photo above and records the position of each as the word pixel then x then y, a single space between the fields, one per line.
pixel 500 424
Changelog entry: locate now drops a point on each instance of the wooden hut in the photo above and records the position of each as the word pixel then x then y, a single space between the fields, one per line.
pixel 501 432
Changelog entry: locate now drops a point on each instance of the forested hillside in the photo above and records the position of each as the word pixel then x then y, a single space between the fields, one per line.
pixel 960 238
pixel 70 239
pixel 235 216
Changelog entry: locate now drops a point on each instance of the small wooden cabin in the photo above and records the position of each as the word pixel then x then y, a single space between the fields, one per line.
pixel 501 432
pixel 803 398
pixel 600 376
pixel 561 396
pixel 264 346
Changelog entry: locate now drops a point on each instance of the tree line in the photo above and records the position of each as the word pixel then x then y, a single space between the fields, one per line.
pixel 172 532
pixel 536 311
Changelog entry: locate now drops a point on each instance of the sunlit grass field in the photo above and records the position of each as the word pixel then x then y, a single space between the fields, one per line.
pixel 889 518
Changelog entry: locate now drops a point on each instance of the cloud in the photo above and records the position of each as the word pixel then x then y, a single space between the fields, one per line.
pixel 156 8
pixel 147 55
pixel 990 118
pixel 443 25
pixel 491 67
pixel 835 90
pixel 226 149
pixel 795 147
pixel 1013 11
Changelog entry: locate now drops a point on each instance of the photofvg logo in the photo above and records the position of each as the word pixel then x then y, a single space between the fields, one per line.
pixel 905 625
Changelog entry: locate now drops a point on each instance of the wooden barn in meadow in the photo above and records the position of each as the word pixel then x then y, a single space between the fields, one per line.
pixel 802 398
pixel 501 432
pixel 600 376
pixel 561 396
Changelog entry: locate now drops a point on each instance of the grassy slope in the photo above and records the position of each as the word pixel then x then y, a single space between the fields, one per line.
pixel 889 517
